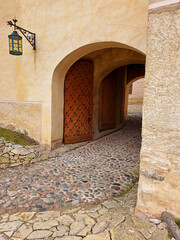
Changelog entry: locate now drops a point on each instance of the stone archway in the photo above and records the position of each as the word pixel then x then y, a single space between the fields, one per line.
pixel 107 56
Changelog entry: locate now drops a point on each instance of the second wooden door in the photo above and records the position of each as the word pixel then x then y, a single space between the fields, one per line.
pixel 107 106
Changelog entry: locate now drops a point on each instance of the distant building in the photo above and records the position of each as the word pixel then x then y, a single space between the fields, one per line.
pixel 136 91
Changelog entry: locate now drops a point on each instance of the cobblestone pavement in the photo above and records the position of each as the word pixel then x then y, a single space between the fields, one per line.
pixel 110 220
pixel 100 170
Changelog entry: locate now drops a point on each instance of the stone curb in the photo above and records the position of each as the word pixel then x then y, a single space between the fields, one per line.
pixel 13 155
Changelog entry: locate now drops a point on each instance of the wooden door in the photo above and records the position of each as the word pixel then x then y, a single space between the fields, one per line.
pixel 107 106
pixel 78 100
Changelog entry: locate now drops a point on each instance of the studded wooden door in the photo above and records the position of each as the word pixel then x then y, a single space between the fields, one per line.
pixel 107 104
pixel 78 96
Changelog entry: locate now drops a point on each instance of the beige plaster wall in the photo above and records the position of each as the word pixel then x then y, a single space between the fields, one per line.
pixel 155 1
pixel 25 117
pixel 137 92
pixel 65 31
pixel 159 188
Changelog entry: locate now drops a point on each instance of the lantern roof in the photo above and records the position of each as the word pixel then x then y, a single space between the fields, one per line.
pixel 14 34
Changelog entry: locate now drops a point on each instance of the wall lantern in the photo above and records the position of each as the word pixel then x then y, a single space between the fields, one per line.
pixel 15 41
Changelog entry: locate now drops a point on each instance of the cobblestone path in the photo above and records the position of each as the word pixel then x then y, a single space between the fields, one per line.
pixel 101 170
pixel 110 220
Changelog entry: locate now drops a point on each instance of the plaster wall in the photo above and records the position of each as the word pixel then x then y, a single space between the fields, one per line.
pixel 159 188
pixel 65 31
pixel 155 1
pixel 21 116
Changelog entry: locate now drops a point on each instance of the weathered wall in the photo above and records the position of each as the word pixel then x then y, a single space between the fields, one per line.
pixel 62 27
pixel 137 92
pixel 159 187
pixel 22 116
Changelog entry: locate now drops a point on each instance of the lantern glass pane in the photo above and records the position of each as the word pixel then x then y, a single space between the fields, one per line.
pixel 15 37
pixel 15 47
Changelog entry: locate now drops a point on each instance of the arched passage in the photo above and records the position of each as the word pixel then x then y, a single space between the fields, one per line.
pixel 114 96
pixel 106 57
pixel 135 72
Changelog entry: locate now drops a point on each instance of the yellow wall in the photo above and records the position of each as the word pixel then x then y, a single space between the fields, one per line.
pixel 65 31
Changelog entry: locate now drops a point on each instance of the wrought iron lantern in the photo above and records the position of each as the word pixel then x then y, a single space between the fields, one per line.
pixel 15 41
pixel 15 44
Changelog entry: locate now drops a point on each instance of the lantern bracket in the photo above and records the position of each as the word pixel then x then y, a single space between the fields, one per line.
pixel 31 37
